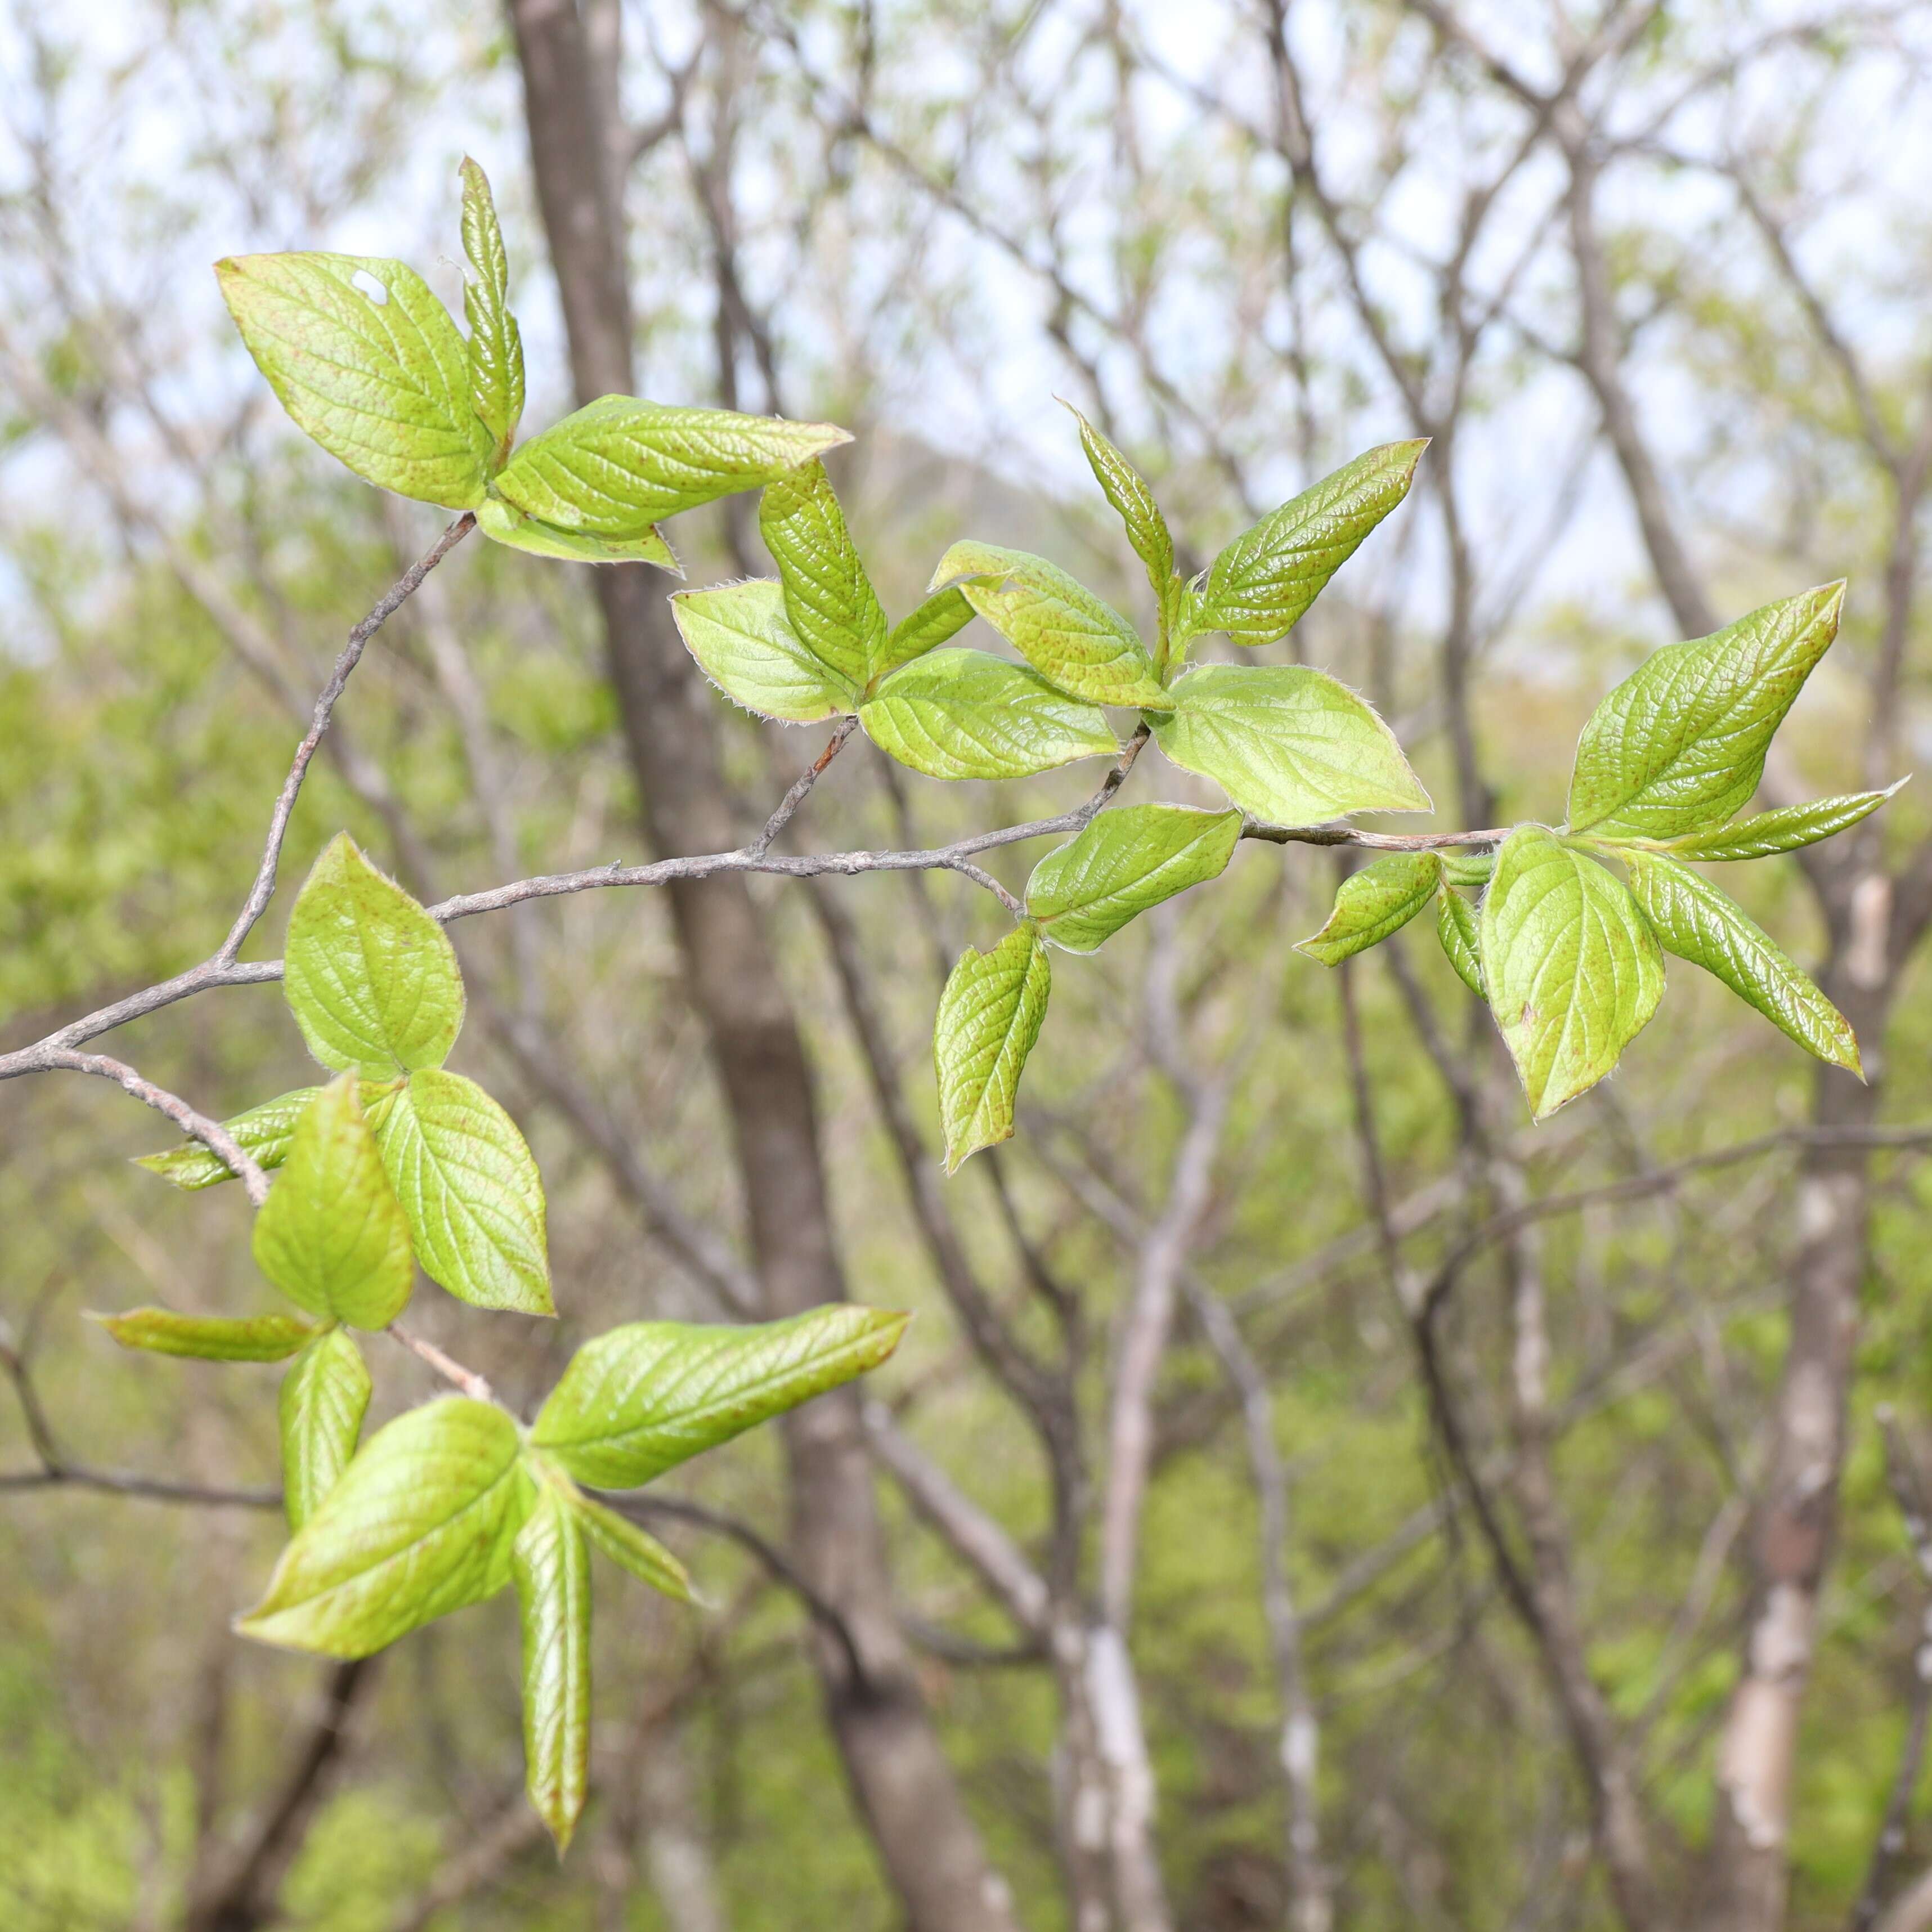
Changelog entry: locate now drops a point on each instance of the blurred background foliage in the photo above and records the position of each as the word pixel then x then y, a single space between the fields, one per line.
pixel 923 221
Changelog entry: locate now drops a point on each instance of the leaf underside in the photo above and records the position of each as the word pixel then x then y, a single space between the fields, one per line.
pixel 552 1566
pixel 961 714
pixel 471 1190
pixel 1288 744
pixel 420 1523
pixel 1573 968
pixel 989 1018
pixel 366 361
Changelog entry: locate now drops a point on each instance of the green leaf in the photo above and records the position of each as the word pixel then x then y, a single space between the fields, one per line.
pixel 553 1571
pixel 1125 861
pixel 496 345
pixel 1287 744
pixel 332 1235
pixel 420 1523
pixel 371 978
pixel 745 644
pixel 209 1338
pixel 1380 899
pixel 1472 867
pixel 616 467
pixel 1679 746
pixel 1698 923
pixel 828 597
pixel 1123 486
pixel 989 1016
pixel 509 527
pixel 1258 587
pixel 961 714
pixel 472 1193
pixel 651 1394
pixel 325 1395
pixel 1460 932
pixel 632 1549
pixel 368 361
pixel 942 616
pixel 1573 969
pixel 1079 644
pixel 264 1132
pixel 1784 830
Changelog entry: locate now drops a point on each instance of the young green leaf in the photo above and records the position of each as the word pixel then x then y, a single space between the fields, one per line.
pixel 552 1565
pixel 961 714
pixel 332 1235
pixel 1123 486
pixel 1472 869
pixel 325 1395
pixel 942 616
pixel 1457 927
pixel 1699 923
pixel 828 597
pixel 1125 861
pixel 263 1132
pixel 651 1394
pixel 1258 587
pixel 420 1523
pixel 209 1338
pixel 1784 830
pixel 366 361
pixel 508 525
pixel 1380 899
pixel 472 1193
pixel 1573 968
pixel 989 1016
pixel 496 345
pixel 371 978
pixel 618 465
pixel 745 644
pixel 632 1549
pixel 1286 743
pixel 1079 644
pixel 1679 746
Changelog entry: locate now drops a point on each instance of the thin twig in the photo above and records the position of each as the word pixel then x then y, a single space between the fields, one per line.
pixel 802 784
pixel 397 594
pixel 472 1384
pixel 212 1134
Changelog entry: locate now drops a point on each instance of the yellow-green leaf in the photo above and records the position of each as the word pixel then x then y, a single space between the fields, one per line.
pixel 421 1522
pixel 471 1190
pixel 371 978
pixel 1369 904
pixel 368 361
pixel 332 1235
pixel 1572 966
pixel 552 1565
pixel 989 1017
pixel 1288 744
pixel 325 1395
pixel 209 1338
pixel 1698 923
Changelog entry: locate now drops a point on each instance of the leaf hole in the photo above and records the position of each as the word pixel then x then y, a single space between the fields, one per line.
pixel 365 283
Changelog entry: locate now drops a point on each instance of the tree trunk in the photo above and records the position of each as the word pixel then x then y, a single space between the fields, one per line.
pixel 904 1786
pixel 1748 1871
